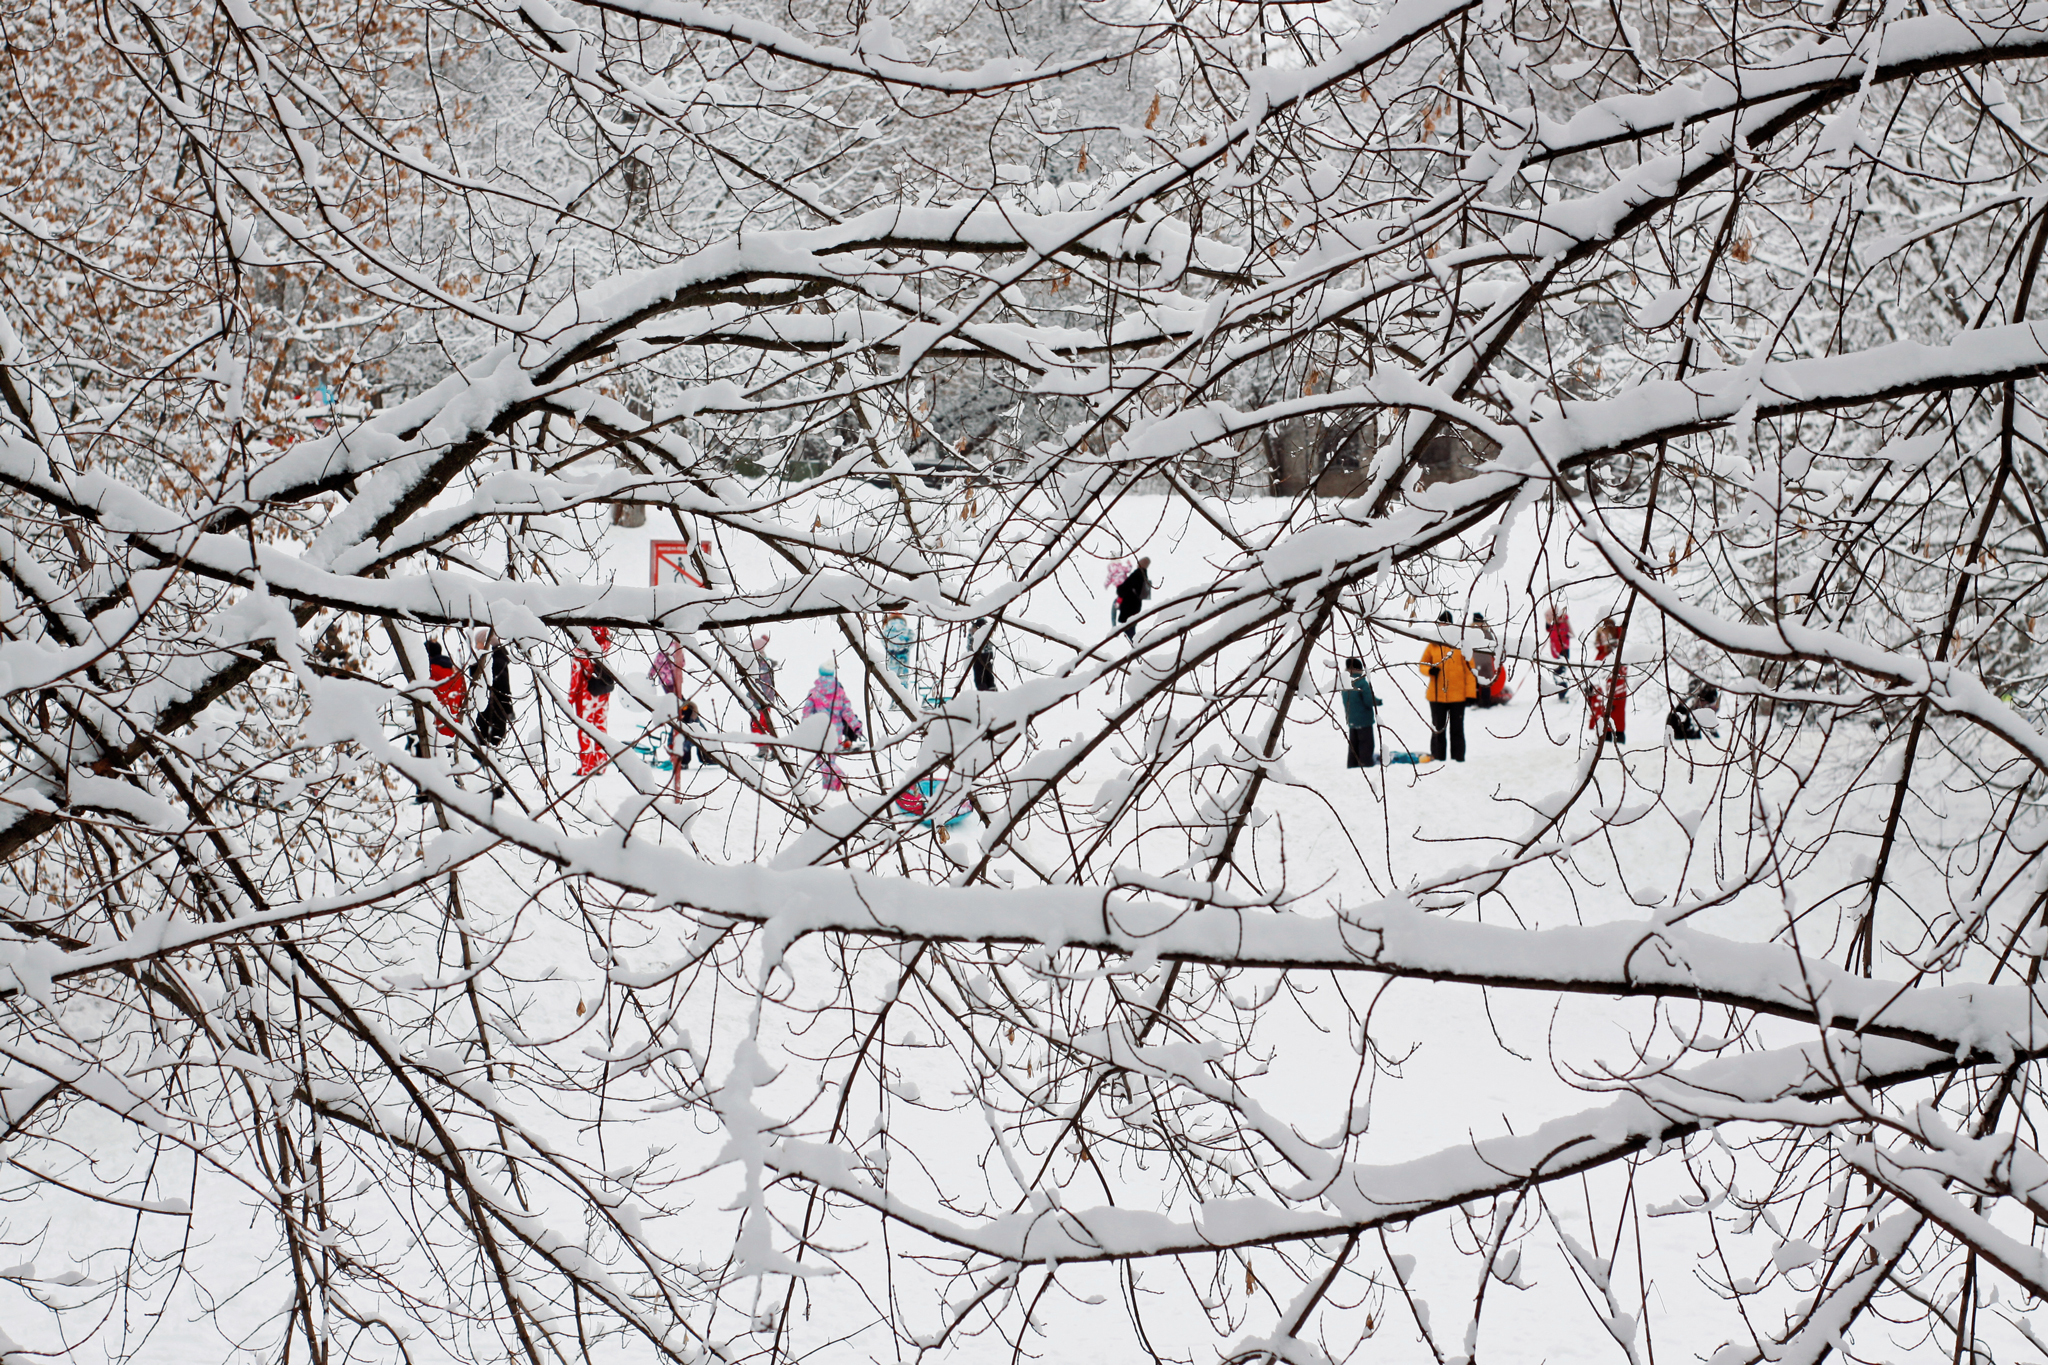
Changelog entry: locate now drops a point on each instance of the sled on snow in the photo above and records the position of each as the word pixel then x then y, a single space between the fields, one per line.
pixel 1683 720
pixel 918 802
pixel 1391 754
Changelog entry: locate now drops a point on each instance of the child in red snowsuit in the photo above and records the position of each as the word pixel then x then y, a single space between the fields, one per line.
pixel 1609 707
pixel 1557 626
pixel 590 695
pixel 1610 710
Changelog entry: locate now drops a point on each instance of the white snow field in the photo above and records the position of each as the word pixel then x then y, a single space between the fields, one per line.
pixel 1467 1067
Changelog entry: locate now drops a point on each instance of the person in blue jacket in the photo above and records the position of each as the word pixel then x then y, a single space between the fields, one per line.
pixel 1359 706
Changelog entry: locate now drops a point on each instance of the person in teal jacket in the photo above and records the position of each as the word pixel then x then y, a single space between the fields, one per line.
pixel 1359 705
pixel 897 639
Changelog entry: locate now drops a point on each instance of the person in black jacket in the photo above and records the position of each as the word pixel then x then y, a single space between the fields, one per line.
pixel 494 722
pixel 1131 595
pixel 985 667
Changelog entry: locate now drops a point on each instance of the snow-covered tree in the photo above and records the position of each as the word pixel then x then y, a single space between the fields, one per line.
pixel 353 1012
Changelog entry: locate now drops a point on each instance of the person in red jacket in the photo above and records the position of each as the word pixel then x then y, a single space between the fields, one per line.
pixel 451 689
pixel 1557 624
pixel 1606 639
pixel 590 694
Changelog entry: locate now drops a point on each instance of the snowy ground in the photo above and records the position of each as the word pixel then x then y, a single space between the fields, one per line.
pixel 1353 835
pixel 1477 1064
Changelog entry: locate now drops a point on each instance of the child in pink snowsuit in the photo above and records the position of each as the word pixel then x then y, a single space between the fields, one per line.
pixel 667 668
pixel 829 697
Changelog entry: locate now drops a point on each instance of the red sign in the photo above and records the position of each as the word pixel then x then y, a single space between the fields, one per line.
pixel 670 563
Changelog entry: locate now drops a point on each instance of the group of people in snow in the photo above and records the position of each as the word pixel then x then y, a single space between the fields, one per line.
pixel 1463 670
pixel 1695 716
pixel 592 681
pixel 1606 699
pixel 1455 681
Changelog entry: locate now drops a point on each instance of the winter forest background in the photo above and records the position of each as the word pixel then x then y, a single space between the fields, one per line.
pixel 1102 1014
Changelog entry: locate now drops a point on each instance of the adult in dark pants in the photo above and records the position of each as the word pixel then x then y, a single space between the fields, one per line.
pixel 1131 595
pixel 1359 706
pixel 1452 685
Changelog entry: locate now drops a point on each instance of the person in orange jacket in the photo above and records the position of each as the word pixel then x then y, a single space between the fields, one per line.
pixel 1452 686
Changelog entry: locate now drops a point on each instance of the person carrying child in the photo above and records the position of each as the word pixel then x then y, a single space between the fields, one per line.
pixel 1607 703
pixel 667 674
pixel 1114 581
